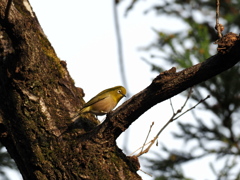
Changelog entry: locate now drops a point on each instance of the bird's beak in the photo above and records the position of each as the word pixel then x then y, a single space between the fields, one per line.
pixel 123 94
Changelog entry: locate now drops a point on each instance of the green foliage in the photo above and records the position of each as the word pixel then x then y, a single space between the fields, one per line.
pixel 217 135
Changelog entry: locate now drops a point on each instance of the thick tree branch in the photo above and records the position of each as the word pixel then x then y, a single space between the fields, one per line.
pixel 169 84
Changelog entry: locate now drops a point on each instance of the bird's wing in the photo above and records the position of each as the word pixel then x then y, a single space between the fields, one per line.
pixel 94 100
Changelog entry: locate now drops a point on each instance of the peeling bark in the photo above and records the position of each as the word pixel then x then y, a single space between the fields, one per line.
pixel 38 101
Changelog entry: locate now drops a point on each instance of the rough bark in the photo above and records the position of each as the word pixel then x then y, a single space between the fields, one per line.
pixel 38 100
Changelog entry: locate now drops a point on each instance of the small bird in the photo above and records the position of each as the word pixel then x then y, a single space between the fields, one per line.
pixel 105 101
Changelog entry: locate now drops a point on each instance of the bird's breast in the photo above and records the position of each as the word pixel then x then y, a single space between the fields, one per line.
pixel 104 106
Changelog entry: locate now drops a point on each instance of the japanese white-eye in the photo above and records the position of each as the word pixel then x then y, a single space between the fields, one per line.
pixel 105 101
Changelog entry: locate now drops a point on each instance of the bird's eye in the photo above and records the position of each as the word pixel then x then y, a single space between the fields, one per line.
pixel 119 91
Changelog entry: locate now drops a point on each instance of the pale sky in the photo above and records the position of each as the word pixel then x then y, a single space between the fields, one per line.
pixel 82 33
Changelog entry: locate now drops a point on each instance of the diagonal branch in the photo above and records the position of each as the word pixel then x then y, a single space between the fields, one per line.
pixel 167 85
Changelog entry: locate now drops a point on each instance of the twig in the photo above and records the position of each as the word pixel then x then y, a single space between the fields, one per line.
pixel 147 136
pixel 170 120
pixel 202 100
pixel 171 105
pixel 145 172
pixel 218 27
pixel 140 148
pixel 188 97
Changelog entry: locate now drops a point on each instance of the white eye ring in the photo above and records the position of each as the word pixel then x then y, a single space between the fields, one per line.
pixel 119 92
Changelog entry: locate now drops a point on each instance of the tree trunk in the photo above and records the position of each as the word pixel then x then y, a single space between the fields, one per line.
pixel 39 100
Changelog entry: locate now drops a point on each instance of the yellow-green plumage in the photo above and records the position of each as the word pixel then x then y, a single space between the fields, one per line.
pixel 105 101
